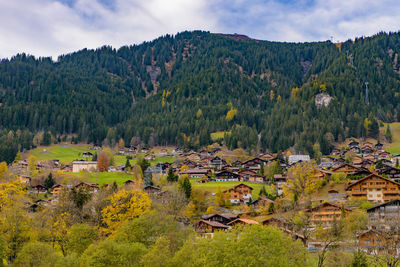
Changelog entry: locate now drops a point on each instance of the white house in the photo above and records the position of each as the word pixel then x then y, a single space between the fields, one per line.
pixel 78 166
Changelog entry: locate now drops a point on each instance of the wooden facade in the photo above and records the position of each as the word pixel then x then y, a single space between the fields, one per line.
pixel 374 188
pixel 326 213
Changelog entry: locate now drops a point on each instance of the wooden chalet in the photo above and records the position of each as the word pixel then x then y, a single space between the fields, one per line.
pixel 245 190
pixel 326 213
pixel 217 162
pixel 129 183
pixel 90 187
pixel 37 189
pixel 374 188
pixel 276 222
pixel 225 175
pixel 87 154
pixel 262 201
pixel 208 228
pixel 389 171
pixel 279 182
pixel 239 193
pixel 57 189
pixel 385 216
pixel 25 179
pixel 151 189
pixel 246 174
pixel 257 179
pixel 242 221
pixel 371 241
pixel 197 173
pixel 193 156
pixel 254 164
pixel 349 169
pixel 234 196
pixel 267 157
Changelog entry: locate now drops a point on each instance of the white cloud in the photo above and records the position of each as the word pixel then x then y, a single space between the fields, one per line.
pixel 51 28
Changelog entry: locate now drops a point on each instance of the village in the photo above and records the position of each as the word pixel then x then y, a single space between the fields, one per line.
pixel 360 178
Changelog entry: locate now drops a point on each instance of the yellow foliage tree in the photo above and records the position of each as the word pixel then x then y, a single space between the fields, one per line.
pixel 3 169
pixel 59 230
pixel 323 87
pixel 32 163
pixel 124 206
pixel 9 192
pixel 199 114
pixel 210 210
pixel 367 123
pixel 231 114
pixel 271 95
pixel 294 92
pixel 301 179
pixel 121 143
pixel 279 98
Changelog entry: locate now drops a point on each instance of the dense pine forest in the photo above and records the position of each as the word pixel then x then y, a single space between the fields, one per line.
pixel 179 89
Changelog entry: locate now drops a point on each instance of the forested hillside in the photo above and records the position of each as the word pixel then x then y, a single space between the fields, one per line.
pixel 179 89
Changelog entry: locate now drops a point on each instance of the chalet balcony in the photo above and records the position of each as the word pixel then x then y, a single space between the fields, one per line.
pixel 391 192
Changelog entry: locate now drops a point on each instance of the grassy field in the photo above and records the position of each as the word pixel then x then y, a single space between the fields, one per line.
pixel 213 186
pixel 394 147
pixel 68 153
pixel 99 177
pixel 64 153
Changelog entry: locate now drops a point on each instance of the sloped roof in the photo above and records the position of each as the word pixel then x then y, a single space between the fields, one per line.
pixel 370 176
pixel 246 221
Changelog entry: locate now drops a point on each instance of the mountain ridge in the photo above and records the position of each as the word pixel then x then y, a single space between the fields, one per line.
pixel 179 89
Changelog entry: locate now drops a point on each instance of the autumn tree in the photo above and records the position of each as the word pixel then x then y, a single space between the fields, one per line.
pixel 124 206
pixel 32 163
pixel 102 162
pixel 271 95
pixel 121 143
pixel 301 180
pixel 3 169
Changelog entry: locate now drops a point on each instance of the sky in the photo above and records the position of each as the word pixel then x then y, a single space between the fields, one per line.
pixel 55 27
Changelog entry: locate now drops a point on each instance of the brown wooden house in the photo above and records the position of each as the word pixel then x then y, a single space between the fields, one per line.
pixel 208 228
pixel 326 213
pixel 346 168
pixel 374 188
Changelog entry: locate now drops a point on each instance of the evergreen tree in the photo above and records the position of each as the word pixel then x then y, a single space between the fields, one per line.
pixel 49 182
pixel 186 187
pixel 46 139
pixel 388 134
pixel 171 176
pixel 127 163
pixel 359 259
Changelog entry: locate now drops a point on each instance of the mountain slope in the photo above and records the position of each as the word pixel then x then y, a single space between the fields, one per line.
pixel 179 89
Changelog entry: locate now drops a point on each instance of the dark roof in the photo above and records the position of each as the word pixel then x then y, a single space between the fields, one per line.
pixel 228 216
pixel 214 224
pixel 384 204
pixel 151 186
pixel 244 185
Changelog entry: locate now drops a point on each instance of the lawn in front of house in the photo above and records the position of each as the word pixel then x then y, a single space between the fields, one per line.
pixel 97 177
pixel 65 153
